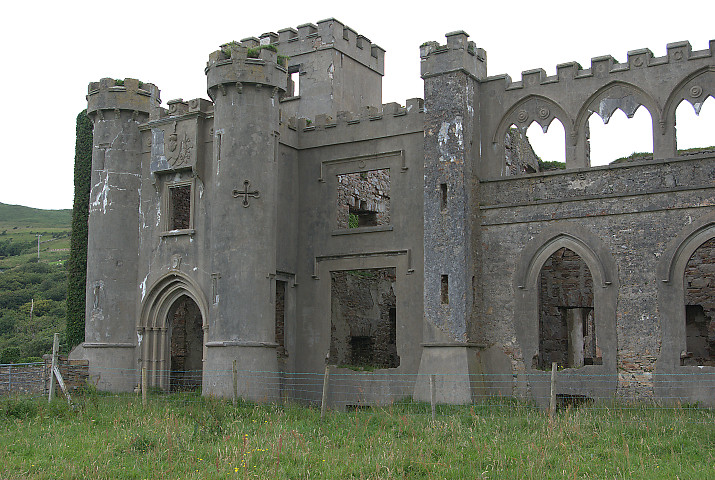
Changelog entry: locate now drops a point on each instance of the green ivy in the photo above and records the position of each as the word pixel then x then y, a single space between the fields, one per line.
pixel 77 264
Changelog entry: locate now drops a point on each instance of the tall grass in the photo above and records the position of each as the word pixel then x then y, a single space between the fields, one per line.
pixel 187 436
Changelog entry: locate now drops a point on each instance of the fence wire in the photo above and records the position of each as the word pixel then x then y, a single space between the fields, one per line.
pixel 361 390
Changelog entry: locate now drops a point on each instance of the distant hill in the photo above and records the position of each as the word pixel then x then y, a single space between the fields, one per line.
pixel 17 215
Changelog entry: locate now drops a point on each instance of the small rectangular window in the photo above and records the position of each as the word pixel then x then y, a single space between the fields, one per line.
pixel 177 209
pixel 444 290
pixel 443 191
pixel 180 207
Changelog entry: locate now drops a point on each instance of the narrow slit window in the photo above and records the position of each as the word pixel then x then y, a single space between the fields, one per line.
pixel 444 290
pixel 443 191
pixel 293 81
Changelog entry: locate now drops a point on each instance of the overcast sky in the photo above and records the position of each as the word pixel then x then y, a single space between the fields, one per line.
pixel 52 50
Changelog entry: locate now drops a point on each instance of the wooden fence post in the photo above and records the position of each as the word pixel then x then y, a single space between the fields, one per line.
pixel 552 402
pixel 9 378
pixel 144 386
pixel 324 400
pixel 235 383
pixel 55 348
pixel 433 396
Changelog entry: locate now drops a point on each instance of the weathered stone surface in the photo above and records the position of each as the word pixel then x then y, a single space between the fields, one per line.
pixel 243 204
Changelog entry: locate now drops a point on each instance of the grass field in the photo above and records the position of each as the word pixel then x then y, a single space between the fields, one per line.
pixel 19 216
pixel 187 436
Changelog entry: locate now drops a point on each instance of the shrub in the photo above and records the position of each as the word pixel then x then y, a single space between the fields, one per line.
pixel 10 355
pixel 19 408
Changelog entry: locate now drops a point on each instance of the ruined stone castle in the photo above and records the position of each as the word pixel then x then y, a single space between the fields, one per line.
pixel 287 227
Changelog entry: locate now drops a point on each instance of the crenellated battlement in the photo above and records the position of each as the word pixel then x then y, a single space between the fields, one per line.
pixel 328 33
pixel 413 106
pixel 457 54
pixel 605 65
pixel 238 63
pixel 126 94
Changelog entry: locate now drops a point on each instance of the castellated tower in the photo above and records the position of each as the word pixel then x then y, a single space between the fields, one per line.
pixel 116 108
pixel 246 94
pixel 451 237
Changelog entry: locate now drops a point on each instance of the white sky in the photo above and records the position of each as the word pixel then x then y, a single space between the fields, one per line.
pixel 52 50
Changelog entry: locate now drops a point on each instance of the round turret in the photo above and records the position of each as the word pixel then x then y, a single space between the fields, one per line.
pixel 117 108
pixel 128 94
pixel 237 64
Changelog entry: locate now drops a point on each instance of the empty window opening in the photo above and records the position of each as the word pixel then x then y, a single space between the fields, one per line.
pixel 186 349
pixel 443 197
pixel 549 147
pixel 567 325
pixel 444 289
pixel 294 84
pixel 364 319
pixel 180 207
pixel 699 285
pixel 364 199
pixel 695 124
pixel 619 139
pixel 280 318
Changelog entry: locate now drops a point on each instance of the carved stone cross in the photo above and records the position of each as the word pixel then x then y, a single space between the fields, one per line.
pixel 245 193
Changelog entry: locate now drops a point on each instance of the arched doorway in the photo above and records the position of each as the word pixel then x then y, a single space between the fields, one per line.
pixel 172 333
pixel 567 325
pixel 699 286
pixel 185 345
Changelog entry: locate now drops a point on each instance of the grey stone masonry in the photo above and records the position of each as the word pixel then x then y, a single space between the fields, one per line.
pixel 292 220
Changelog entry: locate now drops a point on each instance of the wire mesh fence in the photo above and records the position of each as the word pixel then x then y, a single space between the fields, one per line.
pixel 340 389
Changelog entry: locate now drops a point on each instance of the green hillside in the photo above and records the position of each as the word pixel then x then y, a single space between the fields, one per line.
pixel 32 289
pixel 19 216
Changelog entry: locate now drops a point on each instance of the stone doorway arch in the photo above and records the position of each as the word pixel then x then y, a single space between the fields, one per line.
pixel 173 301
pixel 185 337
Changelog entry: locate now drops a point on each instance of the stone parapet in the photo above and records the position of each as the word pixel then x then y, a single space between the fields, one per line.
pixel 367 114
pixel 457 55
pixel 606 65
pixel 128 94
pixel 328 33
pixel 232 65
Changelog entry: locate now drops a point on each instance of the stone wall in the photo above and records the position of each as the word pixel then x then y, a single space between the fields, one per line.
pixel 363 330
pixel 22 379
pixel 75 373
pixel 518 154
pixel 365 195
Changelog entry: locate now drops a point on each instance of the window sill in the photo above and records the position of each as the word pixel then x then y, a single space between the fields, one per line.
pixel 350 231
pixel 176 233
